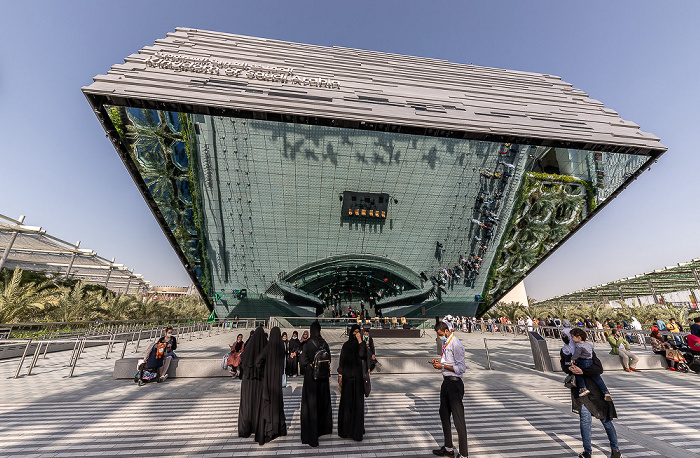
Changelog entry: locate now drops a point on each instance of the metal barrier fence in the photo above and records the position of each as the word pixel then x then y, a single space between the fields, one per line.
pixel 61 329
pixel 550 333
pixel 387 322
pixel 115 335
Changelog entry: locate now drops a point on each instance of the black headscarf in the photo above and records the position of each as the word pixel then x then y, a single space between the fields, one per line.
pixel 315 331
pixel 271 364
pixel 351 335
pixel 252 350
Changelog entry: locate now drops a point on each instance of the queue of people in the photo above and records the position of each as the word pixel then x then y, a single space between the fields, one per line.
pixel 266 361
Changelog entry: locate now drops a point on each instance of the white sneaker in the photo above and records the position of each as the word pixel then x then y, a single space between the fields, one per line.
pixel 163 377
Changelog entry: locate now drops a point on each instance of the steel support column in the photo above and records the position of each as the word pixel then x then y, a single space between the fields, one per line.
pixel 13 237
pixel 653 291
pixel 109 272
pixel 72 259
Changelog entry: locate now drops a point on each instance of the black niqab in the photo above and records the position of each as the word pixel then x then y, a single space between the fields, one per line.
pixel 351 413
pixel 316 414
pixel 271 423
pixel 251 385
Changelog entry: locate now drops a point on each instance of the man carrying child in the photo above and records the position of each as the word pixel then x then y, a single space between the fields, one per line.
pixel 583 358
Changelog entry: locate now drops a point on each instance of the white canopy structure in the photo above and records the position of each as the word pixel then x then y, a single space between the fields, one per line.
pixel 31 248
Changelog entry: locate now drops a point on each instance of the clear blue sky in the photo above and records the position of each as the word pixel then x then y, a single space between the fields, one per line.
pixel 640 58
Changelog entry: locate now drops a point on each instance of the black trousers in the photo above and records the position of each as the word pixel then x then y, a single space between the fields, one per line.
pixel 451 395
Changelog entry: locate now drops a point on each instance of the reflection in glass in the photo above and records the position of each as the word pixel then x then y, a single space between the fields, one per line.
pixel 248 199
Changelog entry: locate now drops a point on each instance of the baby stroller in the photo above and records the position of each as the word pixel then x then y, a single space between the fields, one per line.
pixel 147 368
pixel 678 357
pixel 691 352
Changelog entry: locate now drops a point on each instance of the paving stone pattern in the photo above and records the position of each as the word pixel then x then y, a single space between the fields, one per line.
pixel 512 411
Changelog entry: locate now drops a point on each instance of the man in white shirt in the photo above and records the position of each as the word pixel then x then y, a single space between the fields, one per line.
pixel 452 365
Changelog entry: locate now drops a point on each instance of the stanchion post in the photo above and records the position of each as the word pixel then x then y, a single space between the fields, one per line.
pixel 21 361
pixel 36 356
pixel 81 345
pixel 109 345
pixel 75 348
pixel 488 357
pixel 124 348
pixel 138 342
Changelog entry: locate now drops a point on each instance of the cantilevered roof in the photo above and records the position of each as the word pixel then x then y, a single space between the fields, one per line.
pixel 683 277
pixel 33 249
pixel 231 72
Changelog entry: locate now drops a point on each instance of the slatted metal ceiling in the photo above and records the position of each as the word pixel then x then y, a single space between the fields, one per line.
pixel 376 87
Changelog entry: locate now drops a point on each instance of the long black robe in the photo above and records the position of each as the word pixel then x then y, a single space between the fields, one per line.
pixel 302 363
pixel 316 415
pixel 271 422
pixel 293 361
pixel 351 412
pixel 251 385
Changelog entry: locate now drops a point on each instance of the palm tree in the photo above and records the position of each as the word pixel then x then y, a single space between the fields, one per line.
pixel 560 310
pixel 151 309
pixel 22 301
pixel 75 304
pixel 512 310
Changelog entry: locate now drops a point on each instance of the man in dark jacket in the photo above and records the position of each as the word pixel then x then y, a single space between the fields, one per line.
pixel 592 405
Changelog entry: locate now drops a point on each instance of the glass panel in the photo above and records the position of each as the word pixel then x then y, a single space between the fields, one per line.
pixel 249 200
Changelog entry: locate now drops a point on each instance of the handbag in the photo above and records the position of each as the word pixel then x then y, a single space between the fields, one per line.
pixel 570 381
pixel 366 384
pixel 674 355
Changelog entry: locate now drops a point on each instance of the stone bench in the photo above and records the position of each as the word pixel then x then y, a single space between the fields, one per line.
pixel 179 367
pixel 211 367
pixel 614 363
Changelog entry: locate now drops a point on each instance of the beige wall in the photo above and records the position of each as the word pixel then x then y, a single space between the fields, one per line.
pixel 517 294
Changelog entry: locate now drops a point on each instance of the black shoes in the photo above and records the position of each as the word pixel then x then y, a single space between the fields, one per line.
pixel 584 455
pixel 442 451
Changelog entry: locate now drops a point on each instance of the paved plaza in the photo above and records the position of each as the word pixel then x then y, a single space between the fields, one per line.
pixel 512 410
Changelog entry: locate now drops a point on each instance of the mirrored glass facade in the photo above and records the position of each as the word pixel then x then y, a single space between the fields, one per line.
pixel 256 207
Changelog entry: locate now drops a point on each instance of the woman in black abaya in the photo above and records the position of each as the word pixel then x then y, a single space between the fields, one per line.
pixel 351 413
pixel 271 362
pixel 316 416
pixel 251 386
pixel 293 355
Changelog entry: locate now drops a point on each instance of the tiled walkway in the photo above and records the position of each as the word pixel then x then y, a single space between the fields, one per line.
pixel 511 411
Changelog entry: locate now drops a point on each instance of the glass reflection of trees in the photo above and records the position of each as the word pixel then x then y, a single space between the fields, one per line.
pixel 160 148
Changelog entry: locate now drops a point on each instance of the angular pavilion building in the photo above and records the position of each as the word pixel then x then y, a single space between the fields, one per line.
pixel 291 178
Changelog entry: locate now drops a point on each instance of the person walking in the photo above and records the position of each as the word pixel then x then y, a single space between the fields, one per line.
pixel 293 356
pixel 302 344
pixel 351 411
pixel 637 326
pixel 371 356
pixel 270 365
pixel 621 347
pixel 591 405
pixel 452 365
pixel 251 385
pixel 316 415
